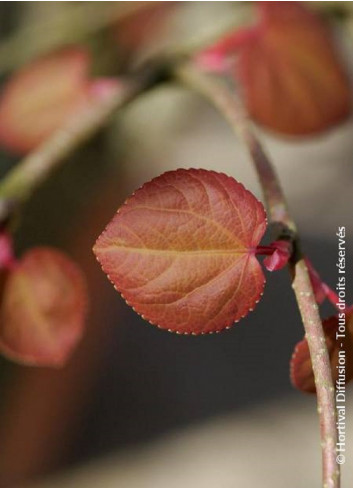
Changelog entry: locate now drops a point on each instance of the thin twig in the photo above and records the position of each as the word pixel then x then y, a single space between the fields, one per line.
pixel 230 106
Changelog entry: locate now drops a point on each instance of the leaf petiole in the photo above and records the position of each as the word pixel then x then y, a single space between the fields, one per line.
pixel 277 254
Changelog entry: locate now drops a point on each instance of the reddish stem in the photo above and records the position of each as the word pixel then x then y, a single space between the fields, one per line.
pixel 321 289
pixel 278 254
pixel 265 250
pixel 331 296
pixel 7 258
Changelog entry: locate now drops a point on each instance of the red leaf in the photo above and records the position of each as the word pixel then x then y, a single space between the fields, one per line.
pixel 301 371
pixel 182 251
pixel 43 309
pixel 293 81
pixel 41 97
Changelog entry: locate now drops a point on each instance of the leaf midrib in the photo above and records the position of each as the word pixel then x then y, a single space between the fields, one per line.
pixel 156 251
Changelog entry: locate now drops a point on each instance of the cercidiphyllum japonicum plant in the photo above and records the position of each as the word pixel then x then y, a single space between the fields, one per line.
pixel 183 251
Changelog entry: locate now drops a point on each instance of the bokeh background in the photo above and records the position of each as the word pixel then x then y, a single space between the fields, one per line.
pixel 136 406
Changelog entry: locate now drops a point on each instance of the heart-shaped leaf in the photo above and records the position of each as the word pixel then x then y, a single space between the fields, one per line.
pixel 292 79
pixel 43 308
pixel 301 371
pixel 181 251
pixel 41 97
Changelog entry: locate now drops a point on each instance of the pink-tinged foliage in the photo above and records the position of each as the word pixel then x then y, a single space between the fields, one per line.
pixel 291 76
pixel 42 96
pixel 43 309
pixel 181 251
pixel 301 371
